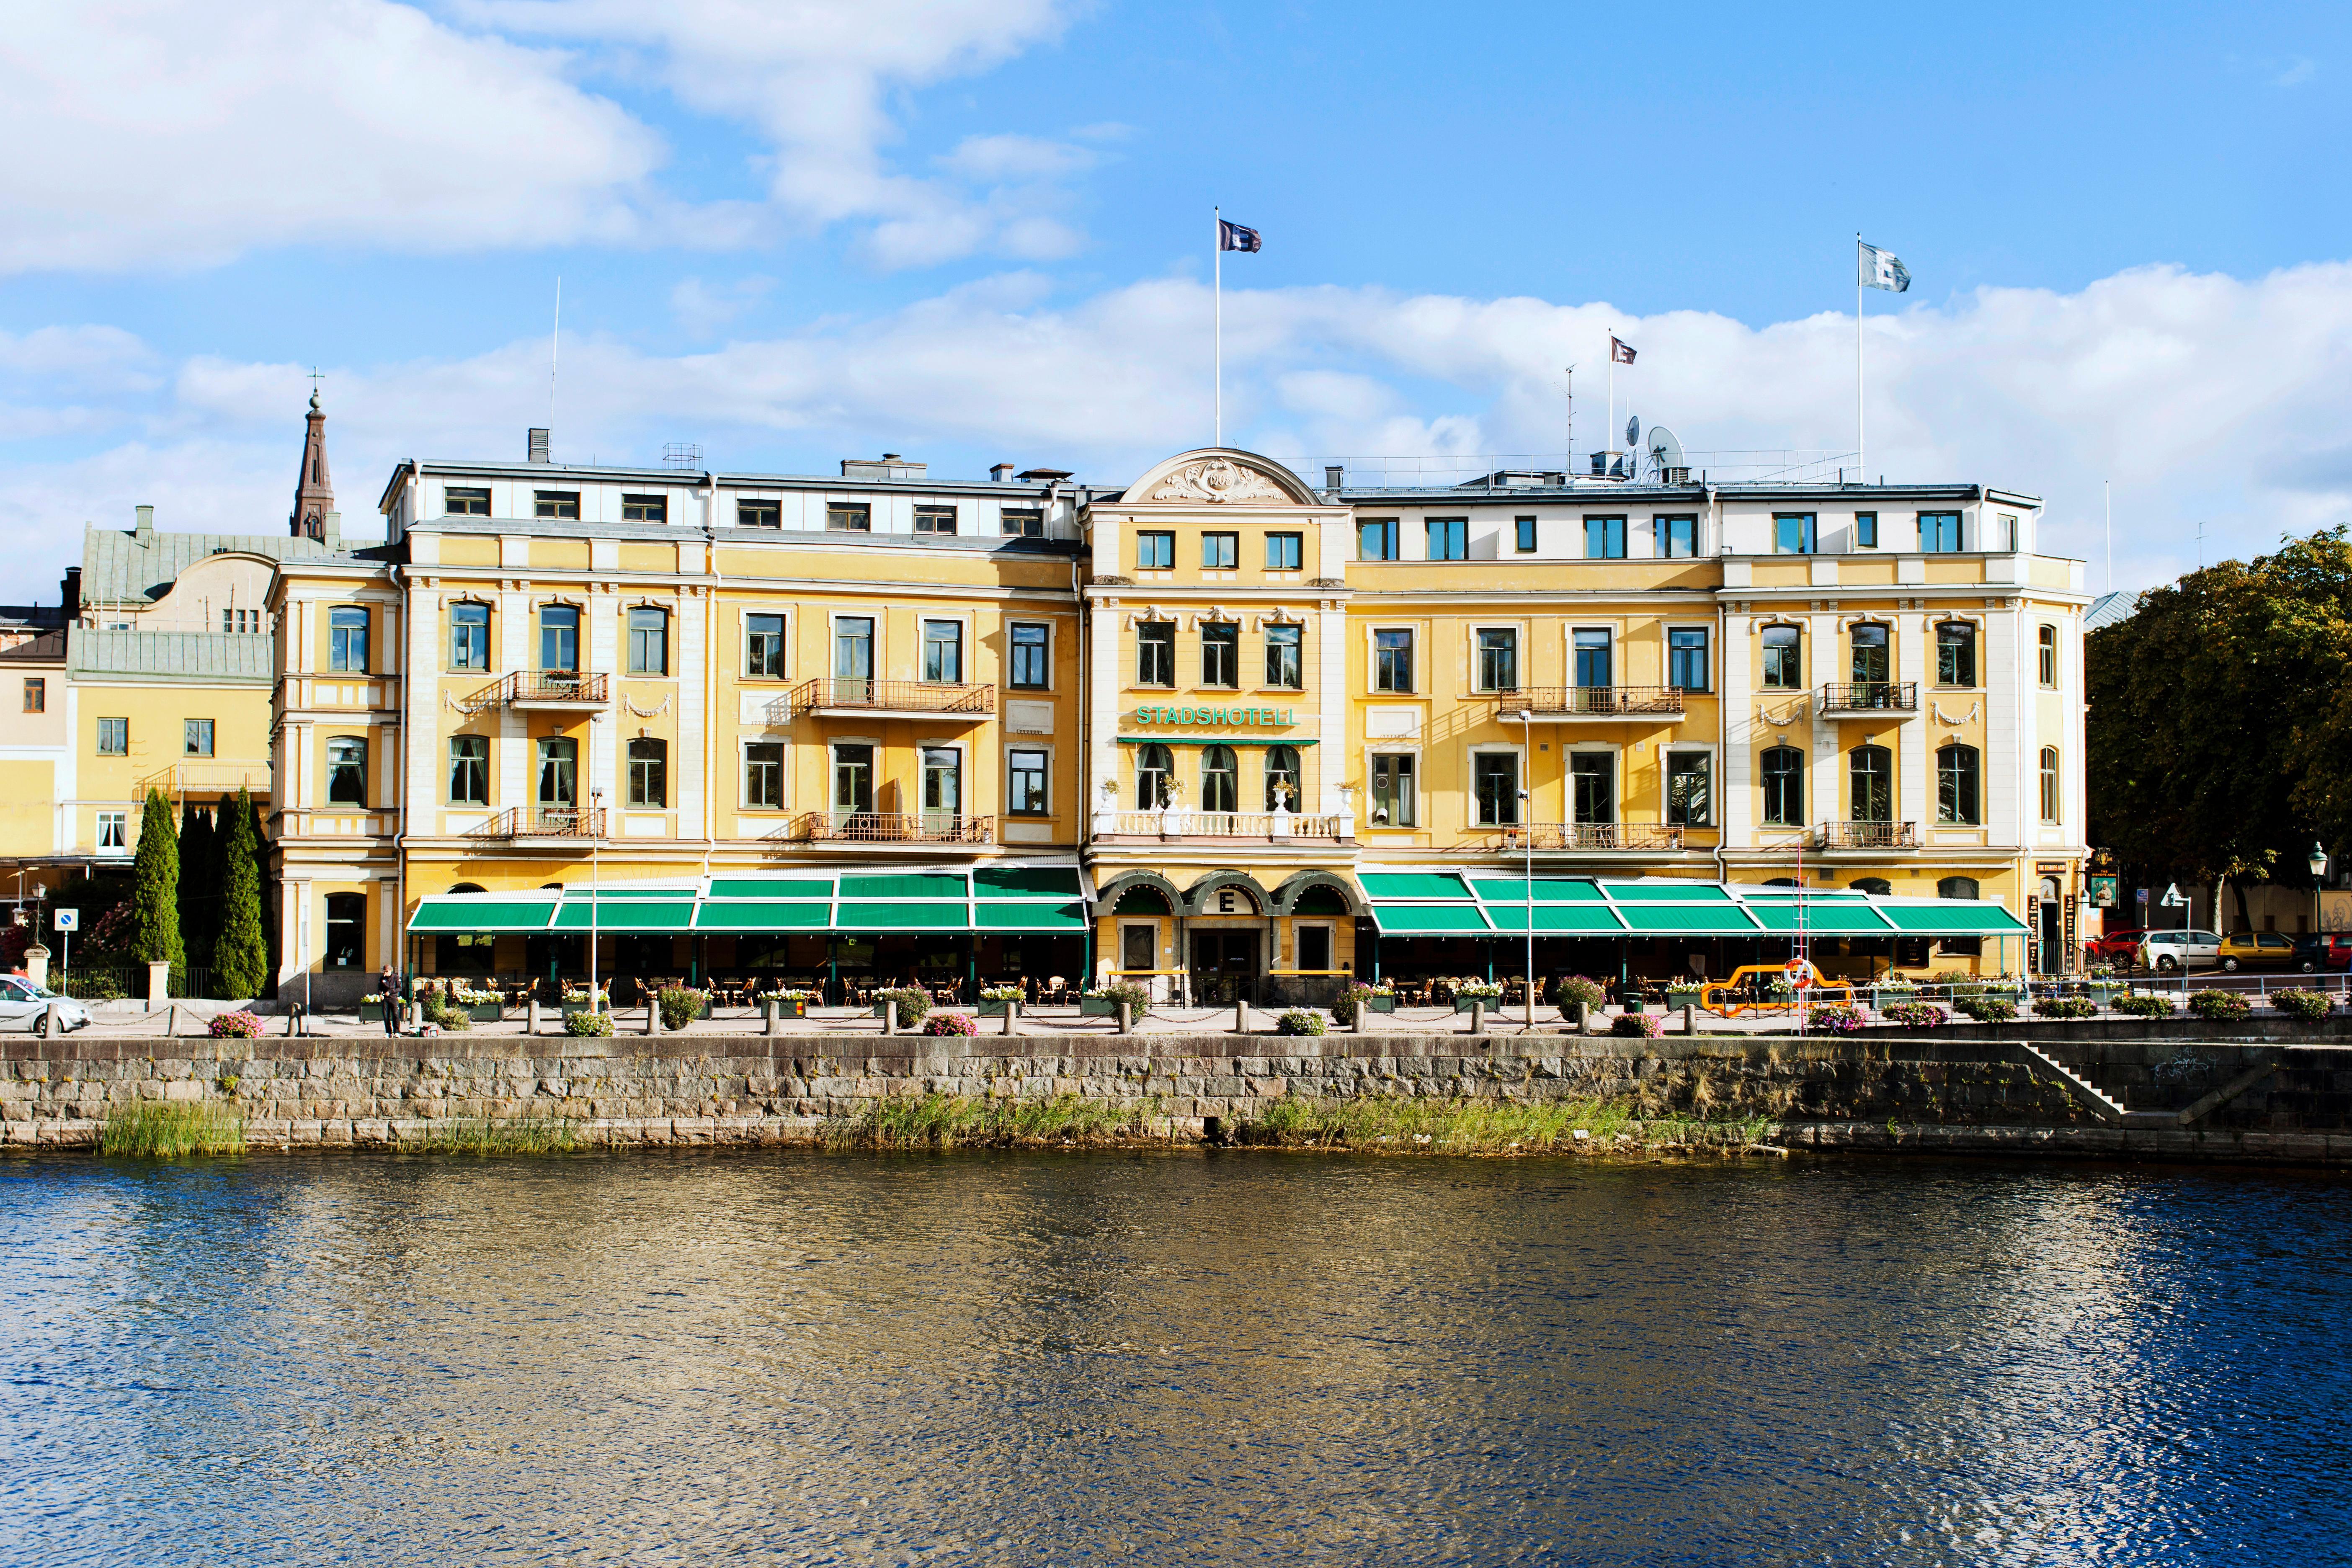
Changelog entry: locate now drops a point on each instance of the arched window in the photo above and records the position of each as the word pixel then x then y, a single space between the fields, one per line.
pixel 1784 787
pixel 1154 764
pixel 469 636
pixel 2048 654
pixel 648 640
pixel 467 888
pixel 1282 778
pixel 1957 888
pixel 1877 887
pixel 1141 900
pixel 2049 784
pixel 1870 662
pixel 1870 770
pixel 1784 661
pixel 1955 784
pixel 1955 654
pixel 1220 780
pixel 346 771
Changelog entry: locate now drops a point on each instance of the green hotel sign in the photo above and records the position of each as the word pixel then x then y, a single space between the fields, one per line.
pixel 1264 718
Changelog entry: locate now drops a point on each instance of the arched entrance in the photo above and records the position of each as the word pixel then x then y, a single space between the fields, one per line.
pixel 1225 935
pixel 2049 928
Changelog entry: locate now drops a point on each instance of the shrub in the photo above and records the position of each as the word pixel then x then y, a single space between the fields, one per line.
pixel 1986 1009
pixel 1916 1014
pixel 441 1013
pixel 1577 988
pixel 1835 1018
pixel 98 987
pixel 914 1004
pixel 2143 1004
pixel 1639 1026
pixel 1348 1004
pixel 1134 992
pixel 2308 1005
pixel 1472 990
pixel 999 993
pixel 681 1006
pixel 2220 1005
pixel 237 1026
pixel 1299 1021
pixel 949 1024
pixel 2066 1007
pixel 585 1025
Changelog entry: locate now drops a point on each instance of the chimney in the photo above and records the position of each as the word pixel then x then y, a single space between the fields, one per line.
pixel 1001 473
pixel 146 529
pixel 539 445
pixel 332 533
pixel 1334 476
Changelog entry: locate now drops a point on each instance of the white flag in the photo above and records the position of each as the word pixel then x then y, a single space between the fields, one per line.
pixel 1882 270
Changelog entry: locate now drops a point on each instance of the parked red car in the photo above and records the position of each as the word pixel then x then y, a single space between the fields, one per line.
pixel 2114 947
pixel 2337 946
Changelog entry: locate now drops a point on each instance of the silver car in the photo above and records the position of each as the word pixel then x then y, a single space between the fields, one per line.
pixel 25 1005
pixel 2171 951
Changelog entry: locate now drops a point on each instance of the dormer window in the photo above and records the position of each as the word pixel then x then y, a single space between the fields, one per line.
pixel 463 501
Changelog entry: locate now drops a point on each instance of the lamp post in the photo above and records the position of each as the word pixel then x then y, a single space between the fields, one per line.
pixel 2318 875
pixel 595 871
pixel 1527 844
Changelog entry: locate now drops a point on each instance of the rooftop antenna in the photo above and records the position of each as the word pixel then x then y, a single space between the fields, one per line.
pixel 2107 489
pixel 1568 390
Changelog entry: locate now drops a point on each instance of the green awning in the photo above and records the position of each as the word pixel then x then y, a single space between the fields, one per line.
pixel 1565 920
pixel 1026 883
pixel 474 912
pixel 763 914
pixel 1961 919
pixel 1032 915
pixel 627 914
pixel 1430 920
pixel 878 917
pixel 1407 902
pixel 771 887
pixel 1414 884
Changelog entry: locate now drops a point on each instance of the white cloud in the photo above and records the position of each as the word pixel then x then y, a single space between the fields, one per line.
pixel 168 133
pixel 2203 397
pixel 702 308
pixel 1002 158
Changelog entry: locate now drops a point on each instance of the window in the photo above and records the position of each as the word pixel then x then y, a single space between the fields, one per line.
pixel 1154 766
pixel 1955 654
pixel 1285 551
pixel 1285 668
pixel 1793 532
pixel 2009 531
pixel 1155 551
pixel 1590 645
pixel 648 641
pixel 763 646
pixel 1024 522
pixel 241 621
pixel 469 636
pixel 1592 786
pixel 196 738
pixel 1282 778
pixel 1870 665
pixel 1498 659
pixel 559 771
pixel 346 771
pixel 1392 662
pixel 1784 663
pixel 1314 950
pixel 1677 537
pixel 556 504
pixel 1376 539
pixel 935 519
pixel 1865 531
pixel 1220 780
pixel 114 830
pixel 347 640
pixel 2050 783
pixel 461 500
pixel 1605 539
pixel 1024 793
pixel 2047 653
pixel 1686 661
pixel 1783 769
pixel 1523 534
pixel 1449 538
pixel 764 775
pixel 1870 775
pixel 1955 784
pixel 114 737
pixel 943 653
pixel 1220 552
pixel 1495 783
pixel 1939 532
pixel 470 770
pixel 559 637
pixel 1393 792
pixel 1139 947
pixel 1690 791
pixel 1221 646
pixel 37 694
pixel 759 513
pixel 645 509
pixel 942 785
pixel 1155 653
pixel 849 518
pixel 853 648
pixel 346 913
pixel 648 773
pixel 1029 671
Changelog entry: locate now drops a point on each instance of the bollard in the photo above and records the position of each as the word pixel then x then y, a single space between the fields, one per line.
pixel 1126 1018
pixel 294 1019
pixel 1240 1018
pixel 1478 1015
pixel 653 1016
pixel 1690 1019
pixel 1575 1016
pixel 890 1015
pixel 1012 1012
pixel 532 1025
pixel 769 1011
pixel 416 1011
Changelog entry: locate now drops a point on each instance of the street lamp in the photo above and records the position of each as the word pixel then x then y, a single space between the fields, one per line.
pixel 1528 840
pixel 2318 875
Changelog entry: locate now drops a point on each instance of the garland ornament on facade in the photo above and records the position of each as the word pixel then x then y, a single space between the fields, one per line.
pixel 1217 479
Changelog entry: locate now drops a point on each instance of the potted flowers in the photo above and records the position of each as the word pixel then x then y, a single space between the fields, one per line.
pixel 482 1007
pixel 1467 991
pixel 995 999
pixel 579 999
pixel 790 1004
pixel 1103 1003
pixel 371 1007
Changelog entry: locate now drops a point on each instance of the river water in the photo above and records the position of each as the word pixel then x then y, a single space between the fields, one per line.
pixel 1181 1358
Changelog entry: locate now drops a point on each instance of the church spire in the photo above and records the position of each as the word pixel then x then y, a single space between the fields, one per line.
pixel 314 494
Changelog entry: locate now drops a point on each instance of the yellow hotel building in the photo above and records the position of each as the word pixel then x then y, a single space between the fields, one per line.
pixel 1219 730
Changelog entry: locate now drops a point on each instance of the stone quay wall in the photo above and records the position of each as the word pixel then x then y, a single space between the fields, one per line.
pixel 1921 1092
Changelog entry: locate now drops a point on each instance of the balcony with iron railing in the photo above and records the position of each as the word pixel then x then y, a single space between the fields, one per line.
pixel 1649 837
pixel 1554 704
pixel 1869 697
pixel 542 689
pixel 1272 826
pixel 894 699
pixel 855 827
pixel 1867 836
pixel 525 823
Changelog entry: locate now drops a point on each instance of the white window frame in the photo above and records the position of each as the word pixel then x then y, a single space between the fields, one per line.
pixel 1373 660
pixel 1666 655
pixel 881 619
pixel 1133 923
pixel 1522 636
pixel 1616 632
pixel 964 777
pixel 1372 749
pixel 121 822
pixel 1616 755
pixel 1330 931
pixel 743 642
pixel 743 745
pixel 1714 754
pixel 1471 753
pixel 966 649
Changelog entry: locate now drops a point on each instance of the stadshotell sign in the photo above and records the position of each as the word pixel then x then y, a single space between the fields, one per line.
pixel 1266 718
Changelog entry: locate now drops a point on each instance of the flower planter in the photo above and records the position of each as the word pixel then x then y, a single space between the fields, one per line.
pixel 784 1009
pixel 1684 998
pixel 371 1012
pixel 1379 1004
pixel 1099 1007
pixel 993 1009
pixel 485 1012
pixel 1461 1004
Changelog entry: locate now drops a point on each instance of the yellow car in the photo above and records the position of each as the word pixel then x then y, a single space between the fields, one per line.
pixel 2261 950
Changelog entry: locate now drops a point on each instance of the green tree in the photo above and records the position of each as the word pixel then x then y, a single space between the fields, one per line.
pixel 155 886
pixel 240 954
pixel 199 879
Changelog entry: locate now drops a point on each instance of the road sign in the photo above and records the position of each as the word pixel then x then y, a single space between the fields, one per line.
pixel 2172 896
pixel 65 919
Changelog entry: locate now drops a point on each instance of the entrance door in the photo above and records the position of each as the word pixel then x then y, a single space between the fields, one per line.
pixel 2052 933
pixel 1224 965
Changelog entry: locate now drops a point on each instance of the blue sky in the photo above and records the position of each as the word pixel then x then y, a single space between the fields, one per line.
pixel 977 229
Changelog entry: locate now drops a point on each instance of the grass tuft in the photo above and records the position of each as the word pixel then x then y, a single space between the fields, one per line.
pixel 1488 1126
pixel 950 1120
pixel 171 1130
pixel 505 1135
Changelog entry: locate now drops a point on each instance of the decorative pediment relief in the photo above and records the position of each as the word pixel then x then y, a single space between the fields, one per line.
pixel 1218 479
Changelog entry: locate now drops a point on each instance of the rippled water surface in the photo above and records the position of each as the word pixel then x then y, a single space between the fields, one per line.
pixel 1179 1358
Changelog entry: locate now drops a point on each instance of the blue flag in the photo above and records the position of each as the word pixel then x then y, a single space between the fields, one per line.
pixel 1233 236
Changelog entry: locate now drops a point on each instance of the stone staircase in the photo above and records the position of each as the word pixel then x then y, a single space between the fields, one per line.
pixel 2115 1113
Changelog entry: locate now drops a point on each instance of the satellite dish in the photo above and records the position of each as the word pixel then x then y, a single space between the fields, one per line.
pixel 1665 451
pixel 1632 431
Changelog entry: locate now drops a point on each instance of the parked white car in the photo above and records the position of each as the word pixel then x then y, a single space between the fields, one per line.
pixel 2174 951
pixel 25 1005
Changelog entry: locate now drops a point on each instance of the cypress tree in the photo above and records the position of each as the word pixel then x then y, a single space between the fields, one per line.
pixel 199 879
pixel 240 955
pixel 155 886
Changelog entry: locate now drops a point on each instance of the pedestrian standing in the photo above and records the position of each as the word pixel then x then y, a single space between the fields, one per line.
pixel 386 985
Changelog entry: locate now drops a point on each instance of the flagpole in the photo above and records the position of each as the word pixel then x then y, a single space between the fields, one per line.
pixel 1861 461
pixel 1217 269
pixel 1608 431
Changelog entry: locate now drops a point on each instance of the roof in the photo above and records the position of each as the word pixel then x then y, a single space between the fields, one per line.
pixel 119 567
pixel 1029 897
pixel 1416 902
pixel 2108 608
pixel 190 656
